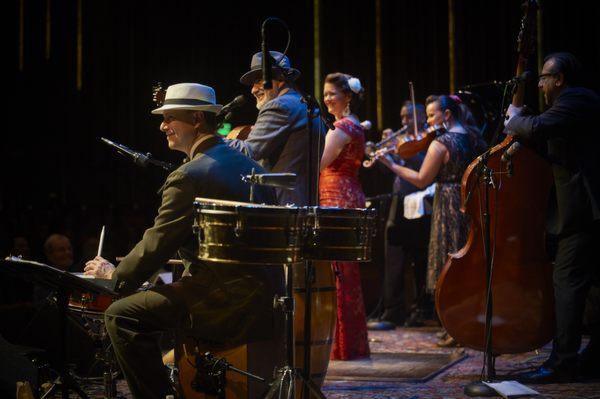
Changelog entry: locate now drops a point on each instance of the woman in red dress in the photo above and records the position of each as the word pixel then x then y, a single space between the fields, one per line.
pixel 339 187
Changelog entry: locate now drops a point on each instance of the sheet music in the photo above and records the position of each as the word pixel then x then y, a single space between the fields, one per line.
pixel 511 389
pixel 82 275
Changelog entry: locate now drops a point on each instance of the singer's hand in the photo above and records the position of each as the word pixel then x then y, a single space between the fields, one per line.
pixel 99 268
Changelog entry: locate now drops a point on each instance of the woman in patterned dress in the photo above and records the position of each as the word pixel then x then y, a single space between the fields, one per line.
pixel 339 187
pixel 445 162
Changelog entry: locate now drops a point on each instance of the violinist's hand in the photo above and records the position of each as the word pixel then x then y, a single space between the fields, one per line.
pixel 99 268
pixel 387 160
pixel 386 133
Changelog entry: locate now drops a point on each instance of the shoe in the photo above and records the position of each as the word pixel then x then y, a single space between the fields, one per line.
pixel 414 320
pixel 447 342
pixel 380 325
pixel 441 334
pixel 589 369
pixel 543 375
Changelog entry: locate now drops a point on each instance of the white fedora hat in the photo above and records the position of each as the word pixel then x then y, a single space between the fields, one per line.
pixel 190 96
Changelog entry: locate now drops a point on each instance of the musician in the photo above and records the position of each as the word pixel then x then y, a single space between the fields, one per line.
pixel 406 240
pixel 218 303
pixel 568 131
pixel 279 139
pixel 59 252
pixel 445 162
pixel 340 187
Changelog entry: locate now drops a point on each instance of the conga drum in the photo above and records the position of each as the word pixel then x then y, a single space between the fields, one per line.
pixel 323 315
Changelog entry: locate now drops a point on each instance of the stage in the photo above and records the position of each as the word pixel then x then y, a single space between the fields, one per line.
pixel 448 383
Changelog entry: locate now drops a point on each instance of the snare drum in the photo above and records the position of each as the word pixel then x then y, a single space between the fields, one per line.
pixel 245 233
pixel 339 234
pixel 89 303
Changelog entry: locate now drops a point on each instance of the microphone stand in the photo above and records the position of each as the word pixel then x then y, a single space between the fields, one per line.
pixel 289 371
pixel 484 174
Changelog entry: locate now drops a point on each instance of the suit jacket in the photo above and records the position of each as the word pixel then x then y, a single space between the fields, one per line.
pixel 279 140
pixel 570 130
pixel 214 172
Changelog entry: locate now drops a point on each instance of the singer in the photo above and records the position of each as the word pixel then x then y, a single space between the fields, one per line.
pixel 244 313
pixel 339 187
pixel 279 138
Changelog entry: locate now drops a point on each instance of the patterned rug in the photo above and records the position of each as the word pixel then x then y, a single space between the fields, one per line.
pixel 448 384
pixel 393 367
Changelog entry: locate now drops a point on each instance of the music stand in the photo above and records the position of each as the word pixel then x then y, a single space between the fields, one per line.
pixel 64 283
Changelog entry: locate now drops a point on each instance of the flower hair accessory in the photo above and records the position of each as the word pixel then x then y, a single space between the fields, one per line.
pixel 354 85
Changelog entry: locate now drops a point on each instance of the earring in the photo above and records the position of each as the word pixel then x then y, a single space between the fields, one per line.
pixel 347 110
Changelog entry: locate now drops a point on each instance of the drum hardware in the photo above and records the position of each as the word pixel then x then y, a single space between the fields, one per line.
pixel 245 233
pixel 286 181
pixel 64 283
pixel 285 378
pixel 211 372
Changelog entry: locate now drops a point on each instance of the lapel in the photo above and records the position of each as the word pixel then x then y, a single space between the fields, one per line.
pixel 198 152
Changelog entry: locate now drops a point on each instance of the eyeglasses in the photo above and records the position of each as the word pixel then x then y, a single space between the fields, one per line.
pixel 542 77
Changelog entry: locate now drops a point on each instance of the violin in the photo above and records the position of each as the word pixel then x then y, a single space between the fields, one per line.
pixel 410 145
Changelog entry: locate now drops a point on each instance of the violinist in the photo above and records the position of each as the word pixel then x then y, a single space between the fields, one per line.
pixel 445 162
pixel 406 240
pixel 567 131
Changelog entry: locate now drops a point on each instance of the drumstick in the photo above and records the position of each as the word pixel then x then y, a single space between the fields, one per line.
pixel 101 243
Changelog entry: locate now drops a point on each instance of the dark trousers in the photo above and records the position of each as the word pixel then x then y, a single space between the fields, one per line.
pixel 407 241
pixel 575 268
pixel 220 309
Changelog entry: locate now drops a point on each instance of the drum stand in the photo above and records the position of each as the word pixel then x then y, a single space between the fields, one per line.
pixel 65 380
pixel 285 380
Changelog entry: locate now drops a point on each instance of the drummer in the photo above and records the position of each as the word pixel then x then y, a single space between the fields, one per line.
pixel 223 304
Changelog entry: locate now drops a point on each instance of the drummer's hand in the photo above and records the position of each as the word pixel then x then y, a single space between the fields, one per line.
pixel 99 268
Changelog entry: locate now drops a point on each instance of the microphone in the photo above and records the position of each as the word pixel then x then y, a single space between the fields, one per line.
pixel 366 124
pixel 508 154
pixel 266 60
pixel 228 108
pixel 281 180
pixel 524 77
pixel 138 158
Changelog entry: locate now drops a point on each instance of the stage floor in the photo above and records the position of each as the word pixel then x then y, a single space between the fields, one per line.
pixel 450 382
pixel 447 384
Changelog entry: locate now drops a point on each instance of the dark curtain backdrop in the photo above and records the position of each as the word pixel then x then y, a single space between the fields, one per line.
pixel 58 176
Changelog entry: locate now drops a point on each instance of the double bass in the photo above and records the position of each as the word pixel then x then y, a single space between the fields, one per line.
pixel 521 278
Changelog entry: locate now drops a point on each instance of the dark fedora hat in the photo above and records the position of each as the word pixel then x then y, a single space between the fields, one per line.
pixel 283 66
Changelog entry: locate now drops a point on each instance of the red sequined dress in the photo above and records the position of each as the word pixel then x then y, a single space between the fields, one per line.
pixel 339 187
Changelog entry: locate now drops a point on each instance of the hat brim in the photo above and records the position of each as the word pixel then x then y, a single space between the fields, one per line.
pixel 215 108
pixel 253 75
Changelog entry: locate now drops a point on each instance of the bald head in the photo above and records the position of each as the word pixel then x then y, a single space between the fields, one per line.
pixel 58 251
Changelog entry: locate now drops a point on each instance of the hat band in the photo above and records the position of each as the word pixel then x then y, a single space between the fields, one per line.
pixel 186 101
